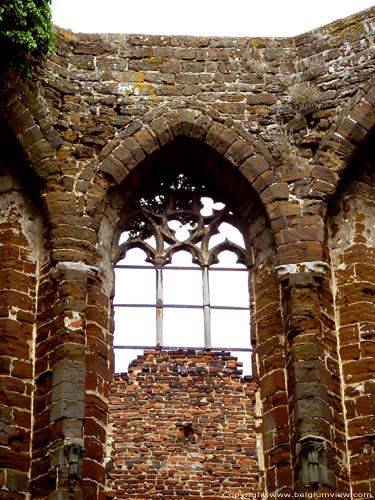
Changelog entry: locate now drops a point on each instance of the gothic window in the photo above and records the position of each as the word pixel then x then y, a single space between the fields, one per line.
pixel 181 274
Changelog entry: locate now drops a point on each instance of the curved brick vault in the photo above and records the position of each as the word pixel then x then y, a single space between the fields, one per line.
pixel 292 120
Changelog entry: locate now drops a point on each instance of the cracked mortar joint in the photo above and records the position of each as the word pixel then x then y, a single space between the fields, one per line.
pixel 317 268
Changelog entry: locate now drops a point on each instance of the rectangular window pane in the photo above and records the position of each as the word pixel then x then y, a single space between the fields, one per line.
pixel 230 328
pixel 229 288
pixel 182 286
pixel 135 286
pixel 135 326
pixel 183 327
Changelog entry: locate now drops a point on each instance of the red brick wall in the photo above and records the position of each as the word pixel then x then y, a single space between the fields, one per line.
pixel 352 242
pixel 183 426
pixel 18 289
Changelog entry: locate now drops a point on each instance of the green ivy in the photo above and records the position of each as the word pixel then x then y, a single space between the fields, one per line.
pixel 26 33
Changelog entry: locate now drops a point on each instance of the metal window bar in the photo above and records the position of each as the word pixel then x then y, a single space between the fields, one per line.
pixel 185 306
pixel 159 306
pixel 181 268
pixel 178 348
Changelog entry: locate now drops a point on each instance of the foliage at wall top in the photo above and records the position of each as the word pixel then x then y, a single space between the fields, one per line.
pixel 26 33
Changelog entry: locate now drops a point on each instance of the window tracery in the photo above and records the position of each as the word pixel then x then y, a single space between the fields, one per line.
pixel 182 272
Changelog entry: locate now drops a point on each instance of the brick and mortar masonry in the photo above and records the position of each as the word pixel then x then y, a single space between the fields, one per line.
pixel 97 111
pixel 183 425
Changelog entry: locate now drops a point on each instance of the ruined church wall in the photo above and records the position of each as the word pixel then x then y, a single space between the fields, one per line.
pixel 129 95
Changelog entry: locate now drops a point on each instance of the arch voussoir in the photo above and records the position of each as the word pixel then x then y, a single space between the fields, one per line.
pixel 160 129
pixel 147 140
pixel 344 140
pixel 36 147
pixel 200 128
pixel 220 137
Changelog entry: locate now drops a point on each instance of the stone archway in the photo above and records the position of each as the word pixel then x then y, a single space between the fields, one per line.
pixel 345 138
pixel 123 158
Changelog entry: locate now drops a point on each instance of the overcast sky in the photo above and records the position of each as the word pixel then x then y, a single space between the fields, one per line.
pixel 202 17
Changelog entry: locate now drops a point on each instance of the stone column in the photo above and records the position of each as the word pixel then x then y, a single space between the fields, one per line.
pixel 307 376
pixel 68 379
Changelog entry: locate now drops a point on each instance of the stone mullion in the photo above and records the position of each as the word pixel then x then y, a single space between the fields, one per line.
pixel 307 374
pixel 68 378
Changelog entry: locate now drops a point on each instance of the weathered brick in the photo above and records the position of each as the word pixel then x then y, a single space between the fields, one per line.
pixel 169 423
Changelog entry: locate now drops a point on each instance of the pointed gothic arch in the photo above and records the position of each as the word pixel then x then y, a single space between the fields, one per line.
pixel 345 138
pixel 157 129
pixel 133 158
pixel 27 115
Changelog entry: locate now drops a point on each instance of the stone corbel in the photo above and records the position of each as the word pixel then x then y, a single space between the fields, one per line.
pixel 314 463
pixel 68 459
pixel 64 269
pixel 74 458
pixel 302 273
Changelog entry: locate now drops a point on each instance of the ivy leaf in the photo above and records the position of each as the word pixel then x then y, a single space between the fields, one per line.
pixel 26 33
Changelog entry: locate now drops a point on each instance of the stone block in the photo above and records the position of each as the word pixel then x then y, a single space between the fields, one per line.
pixel 253 167
pixel 268 180
pixel 310 372
pixel 115 168
pixel 39 150
pixel 221 138
pixel 17 481
pixel 273 192
pixel 290 235
pixel 69 390
pixel 284 208
pixel 122 154
pixel 324 174
pixel 187 118
pixel 300 252
pixel 146 140
pixel 275 418
pixel 238 152
pixel 133 146
pixel 261 98
pixel 363 114
pixel 200 128
pixel 312 408
pixel 69 372
pixel 160 127
pixel 66 408
pixel 272 383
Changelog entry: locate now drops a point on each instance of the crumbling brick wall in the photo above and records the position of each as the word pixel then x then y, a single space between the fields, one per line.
pixel 21 253
pixel 183 425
